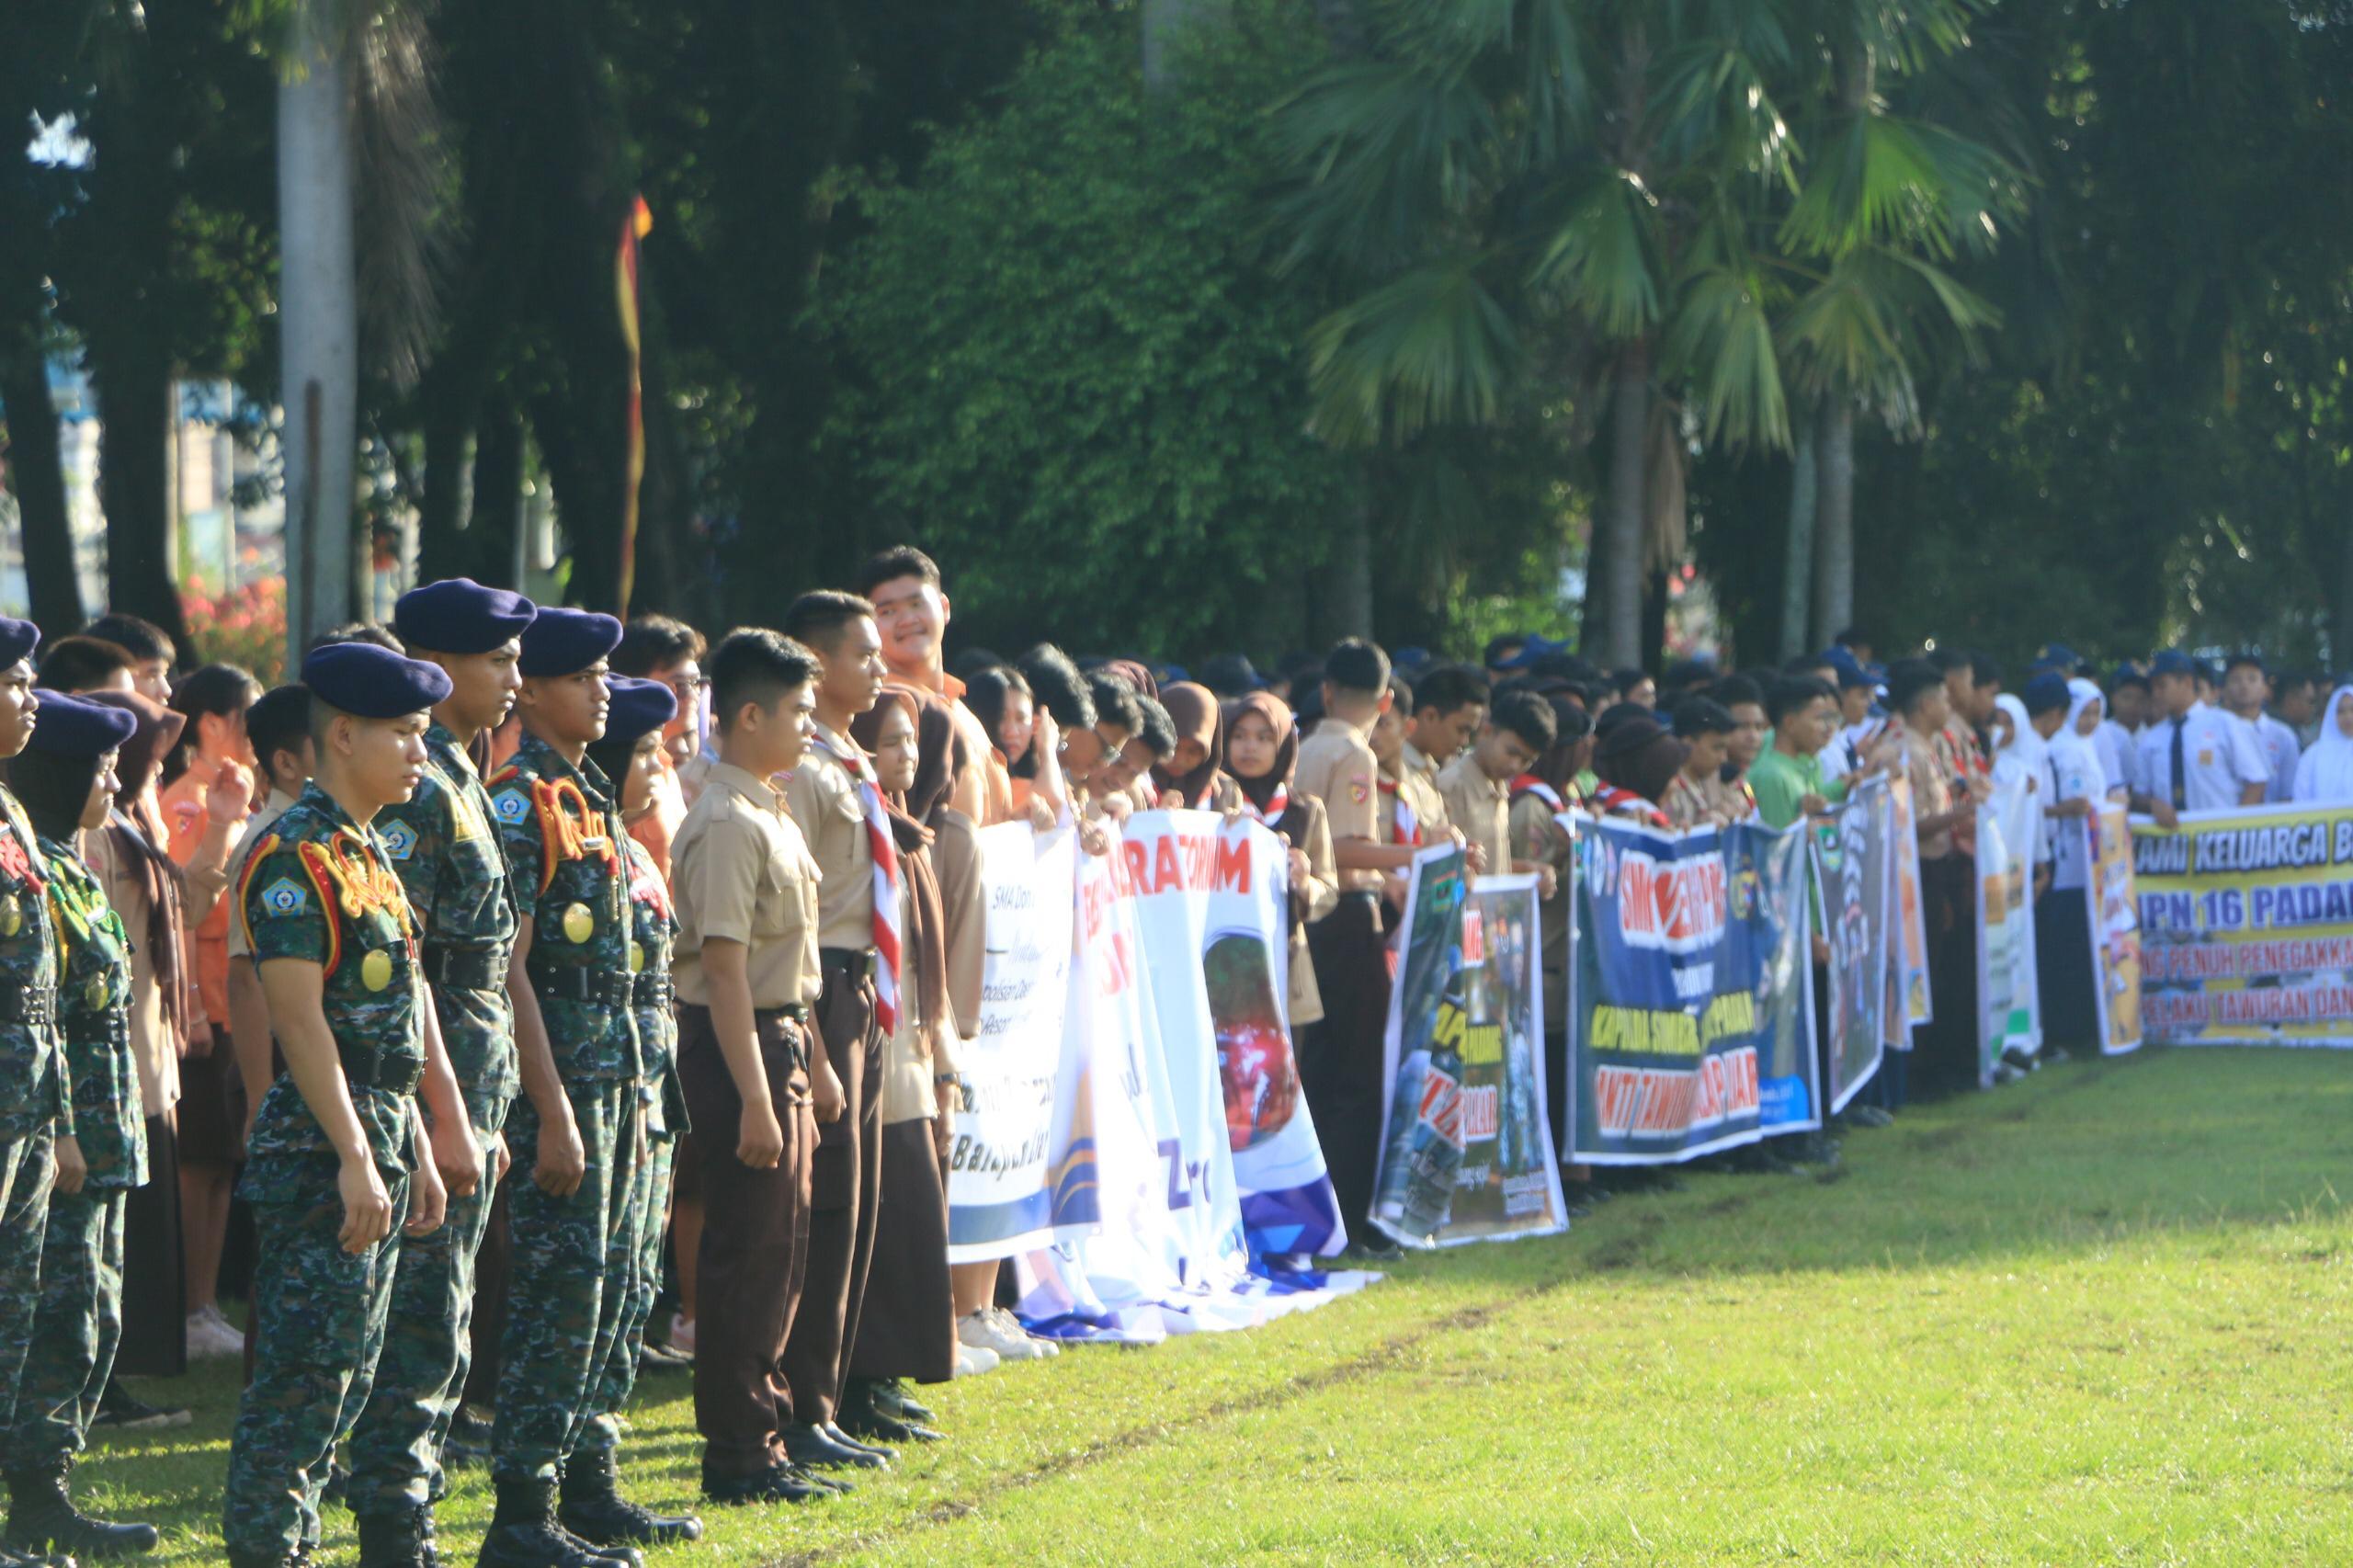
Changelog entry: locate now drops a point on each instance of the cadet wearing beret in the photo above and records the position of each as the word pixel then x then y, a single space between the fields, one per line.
pixel 576 1035
pixel 66 783
pixel 33 1108
pixel 337 1163
pixel 448 855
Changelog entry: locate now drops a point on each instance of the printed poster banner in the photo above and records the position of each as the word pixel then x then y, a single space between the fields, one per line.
pixel 1855 871
pixel 2008 1014
pixel 1017 1144
pixel 1488 1037
pixel 2247 927
pixel 1909 952
pixel 1421 1130
pixel 2115 925
pixel 1693 992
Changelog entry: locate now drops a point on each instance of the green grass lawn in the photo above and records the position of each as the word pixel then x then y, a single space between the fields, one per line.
pixel 2099 1316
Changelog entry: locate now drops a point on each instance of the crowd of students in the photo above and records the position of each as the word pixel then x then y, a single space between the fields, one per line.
pixel 672 949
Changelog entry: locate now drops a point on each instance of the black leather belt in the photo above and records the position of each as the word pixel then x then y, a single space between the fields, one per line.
pixel 366 1068
pixel 650 988
pixel 32 1005
pixel 860 961
pixel 112 1027
pixel 474 969
pixel 610 988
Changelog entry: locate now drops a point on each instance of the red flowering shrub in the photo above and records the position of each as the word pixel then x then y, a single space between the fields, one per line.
pixel 244 626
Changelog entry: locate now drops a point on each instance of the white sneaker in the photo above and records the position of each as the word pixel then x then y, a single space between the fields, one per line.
pixel 1044 1349
pixel 990 1329
pixel 972 1362
pixel 209 1334
pixel 682 1334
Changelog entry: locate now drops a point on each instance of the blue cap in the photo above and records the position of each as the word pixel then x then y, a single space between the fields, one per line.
pixel 368 682
pixel 69 726
pixel 2129 674
pixel 2047 691
pixel 563 641
pixel 1411 658
pixel 1537 646
pixel 17 640
pixel 2057 656
pixel 458 615
pixel 639 707
pixel 2172 661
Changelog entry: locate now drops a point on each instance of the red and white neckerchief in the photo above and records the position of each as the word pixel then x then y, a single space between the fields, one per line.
pixel 1625 802
pixel 854 761
pixel 1529 784
pixel 1277 804
pixel 1409 826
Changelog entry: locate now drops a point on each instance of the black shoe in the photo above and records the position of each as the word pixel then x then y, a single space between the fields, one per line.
pixel 777 1484
pixel 395 1541
pixel 118 1411
pixel 653 1358
pixel 815 1447
pixel 275 1559
pixel 834 1430
pixel 871 1422
pixel 42 1517
pixel 1377 1249
pixel 468 1440
pixel 593 1509
pixel 523 1533
pixel 893 1399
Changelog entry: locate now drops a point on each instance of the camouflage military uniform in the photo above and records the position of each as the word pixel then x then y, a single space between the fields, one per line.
pixel 33 1108
pixel 652 929
pixel 571 1255
pixel 78 1323
pixel 318 888
pixel 443 844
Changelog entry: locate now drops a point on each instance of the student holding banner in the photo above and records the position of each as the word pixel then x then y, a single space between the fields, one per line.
pixel 2194 758
pixel 1477 783
pixel 1262 759
pixel 2068 774
pixel 1918 694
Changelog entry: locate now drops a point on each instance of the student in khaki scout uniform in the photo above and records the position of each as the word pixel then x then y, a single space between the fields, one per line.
pixel 912 611
pixel 1450 703
pixel 66 783
pixel 1412 812
pixel 747 973
pixel 1477 784
pixel 1539 796
pixel 838 806
pixel 578 1124
pixel 338 1164
pixel 1704 726
pixel 1342 1080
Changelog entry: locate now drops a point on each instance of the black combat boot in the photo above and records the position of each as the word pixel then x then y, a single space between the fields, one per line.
pixel 391 1541
pixel 593 1509
pixel 523 1533
pixel 42 1517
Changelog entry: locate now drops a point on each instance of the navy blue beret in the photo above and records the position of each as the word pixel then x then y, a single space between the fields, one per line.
pixel 2129 674
pixel 639 707
pixel 368 682
pixel 458 615
pixel 17 640
pixel 2172 661
pixel 2047 692
pixel 562 642
pixel 69 726
pixel 2057 656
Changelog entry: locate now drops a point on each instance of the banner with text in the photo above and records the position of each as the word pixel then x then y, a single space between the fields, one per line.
pixel 1854 868
pixel 2113 914
pixel 2245 926
pixel 1692 1023
pixel 2009 1013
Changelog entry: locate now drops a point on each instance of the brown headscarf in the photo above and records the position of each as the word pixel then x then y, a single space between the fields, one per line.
pixel 1135 675
pixel 142 840
pixel 927 920
pixel 1193 710
pixel 1260 792
pixel 1639 755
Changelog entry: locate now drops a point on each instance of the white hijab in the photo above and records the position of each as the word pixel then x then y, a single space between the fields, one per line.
pixel 2078 749
pixel 2024 751
pixel 2326 772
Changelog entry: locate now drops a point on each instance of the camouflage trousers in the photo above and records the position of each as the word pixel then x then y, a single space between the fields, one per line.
pixel 649 1211
pixel 27 1161
pixel 318 1328
pixel 569 1289
pixel 428 1345
pixel 76 1328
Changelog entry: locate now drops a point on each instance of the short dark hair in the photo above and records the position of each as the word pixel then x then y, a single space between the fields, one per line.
pixel 757 665
pixel 2128 677
pixel 135 635
pixel 2252 661
pixel 972 662
pixel 1805 665
pixel 1526 715
pixel 649 643
pixel 1944 661
pixel 1790 693
pixel 1702 716
pixel 278 722
pixel 366 631
pixel 1851 637
pixel 815 620
pixel 1910 679
pixel 1358 665
pixel 81 664
pixel 1115 701
pixel 1058 686
pixel 1448 689
pixel 1155 728
pixel 1984 668
pixel 889 566
pixel 1734 691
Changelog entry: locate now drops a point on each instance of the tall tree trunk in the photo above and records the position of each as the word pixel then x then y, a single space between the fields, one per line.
pixel 326 553
pixel 498 496
pixel 1797 561
pixel 134 385
pixel 39 474
pixel 1833 542
pixel 443 547
pixel 1613 608
pixel 1347 570
pixel 1654 602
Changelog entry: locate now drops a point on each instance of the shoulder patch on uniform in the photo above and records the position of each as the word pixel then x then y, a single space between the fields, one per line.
pixel 400 839
pixel 285 896
pixel 512 805
pixel 1359 790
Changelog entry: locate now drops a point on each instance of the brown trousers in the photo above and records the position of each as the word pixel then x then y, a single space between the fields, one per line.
pixel 754 1244
pixel 845 1195
pixel 908 1328
pixel 1342 1078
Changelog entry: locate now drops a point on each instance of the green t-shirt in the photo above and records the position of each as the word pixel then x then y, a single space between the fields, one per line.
pixel 1782 781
